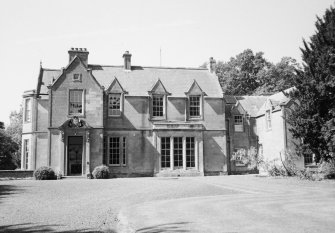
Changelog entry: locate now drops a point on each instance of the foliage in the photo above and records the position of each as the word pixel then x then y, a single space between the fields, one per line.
pixel 101 172
pixel 249 74
pixel 248 157
pixel 44 173
pixel 327 169
pixel 313 120
pixel 14 130
pixel 59 174
pixel 7 148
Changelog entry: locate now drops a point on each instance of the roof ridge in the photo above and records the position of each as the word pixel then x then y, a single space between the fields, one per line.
pixel 155 67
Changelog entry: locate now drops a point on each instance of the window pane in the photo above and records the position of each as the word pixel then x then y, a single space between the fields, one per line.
pixel 165 152
pixel 157 106
pixel 194 106
pixel 124 162
pixel 177 152
pixel 26 152
pixel 190 152
pixel 114 150
pixel 27 114
pixel 76 102
pixel 114 105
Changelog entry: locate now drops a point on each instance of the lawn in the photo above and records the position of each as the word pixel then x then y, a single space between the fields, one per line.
pixel 194 204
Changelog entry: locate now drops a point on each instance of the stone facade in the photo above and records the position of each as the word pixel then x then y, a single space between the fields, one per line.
pixel 139 121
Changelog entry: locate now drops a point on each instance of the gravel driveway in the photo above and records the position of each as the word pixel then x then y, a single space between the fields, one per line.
pixel 194 204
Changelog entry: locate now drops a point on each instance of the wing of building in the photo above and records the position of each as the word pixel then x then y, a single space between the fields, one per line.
pixel 139 121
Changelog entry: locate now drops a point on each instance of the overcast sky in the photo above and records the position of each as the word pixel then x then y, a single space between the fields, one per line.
pixel 188 33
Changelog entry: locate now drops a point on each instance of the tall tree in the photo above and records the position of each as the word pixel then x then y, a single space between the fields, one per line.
pixel 277 77
pixel 14 130
pixel 313 120
pixel 240 75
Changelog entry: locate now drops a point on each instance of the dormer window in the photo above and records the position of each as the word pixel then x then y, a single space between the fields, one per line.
pixel 195 106
pixel 158 101
pixel 115 99
pixel 195 98
pixel 114 104
pixel 158 106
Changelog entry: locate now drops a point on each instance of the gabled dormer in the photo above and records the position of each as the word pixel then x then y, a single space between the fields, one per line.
pixel 158 98
pixel 115 93
pixel 195 96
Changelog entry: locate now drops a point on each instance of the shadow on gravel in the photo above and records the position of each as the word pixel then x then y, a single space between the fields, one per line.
pixel 169 227
pixel 30 228
pixel 6 190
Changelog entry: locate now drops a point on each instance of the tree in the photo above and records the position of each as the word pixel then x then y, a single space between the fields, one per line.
pixel 14 130
pixel 7 148
pixel 239 76
pixel 277 77
pixel 313 120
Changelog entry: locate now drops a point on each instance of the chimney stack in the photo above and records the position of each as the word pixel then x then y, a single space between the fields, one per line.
pixel 82 53
pixel 127 60
pixel 212 65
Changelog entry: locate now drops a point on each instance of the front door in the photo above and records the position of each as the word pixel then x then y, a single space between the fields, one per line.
pixel 75 155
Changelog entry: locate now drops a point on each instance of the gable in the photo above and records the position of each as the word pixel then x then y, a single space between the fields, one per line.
pixel 238 110
pixel 76 66
pixel 115 87
pixel 195 89
pixel 158 88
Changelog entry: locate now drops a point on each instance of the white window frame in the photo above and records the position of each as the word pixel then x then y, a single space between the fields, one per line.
pixel 200 107
pixel 110 111
pixel 82 102
pixel 167 154
pixel 238 123
pixel 122 154
pixel 27 110
pixel 164 106
pixel 192 151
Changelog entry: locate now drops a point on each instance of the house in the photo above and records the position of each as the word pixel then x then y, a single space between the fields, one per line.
pixel 140 121
pixel 275 139
pixel 241 113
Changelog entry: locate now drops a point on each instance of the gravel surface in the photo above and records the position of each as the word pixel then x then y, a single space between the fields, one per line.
pixel 193 204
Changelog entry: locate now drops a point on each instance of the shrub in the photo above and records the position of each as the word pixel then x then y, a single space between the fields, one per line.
pixel 248 157
pixel 59 174
pixel 44 173
pixel 101 172
pixel 327 169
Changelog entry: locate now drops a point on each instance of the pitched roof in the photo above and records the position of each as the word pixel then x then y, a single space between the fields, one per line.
pixel 140 80
pixel 48 76
pixel 276 100
pixel 230 99
pixel 251 104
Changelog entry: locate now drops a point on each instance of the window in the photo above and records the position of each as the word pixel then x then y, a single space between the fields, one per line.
pixel 178 152
pixel 77 77
pixel 76 102
pixel 190 152
pixel 165 152
pixel 238 156
pixel 308 159
pixel 26 153
pixel 27 110
pixel 158 106
pixel 238 123
pixel 194 106
pixel 268 119
pixel 117 151
pixel 114 105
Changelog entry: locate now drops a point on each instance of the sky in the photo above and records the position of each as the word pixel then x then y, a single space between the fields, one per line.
pixel 186 32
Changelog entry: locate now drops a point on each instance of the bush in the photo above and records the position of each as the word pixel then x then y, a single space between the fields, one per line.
pixel 101 172
pixel 327 169
pixel 44 173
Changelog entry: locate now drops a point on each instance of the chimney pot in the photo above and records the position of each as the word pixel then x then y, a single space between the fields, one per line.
pixel 212 65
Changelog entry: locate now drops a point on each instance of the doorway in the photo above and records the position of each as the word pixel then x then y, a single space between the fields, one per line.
pixel 75 155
